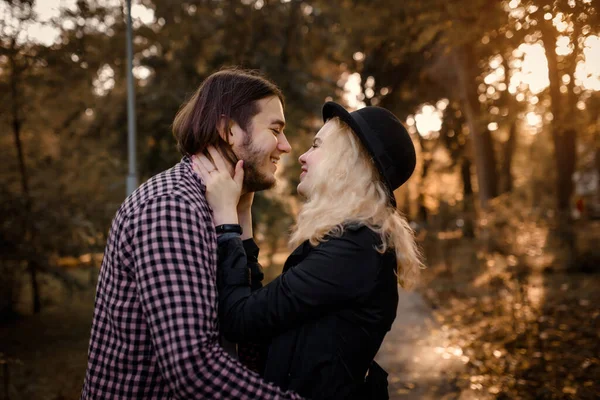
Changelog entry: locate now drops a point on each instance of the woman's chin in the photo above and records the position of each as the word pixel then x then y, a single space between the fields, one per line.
pixel 300 190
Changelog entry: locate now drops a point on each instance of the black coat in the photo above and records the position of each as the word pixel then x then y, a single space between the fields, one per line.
pixel 326 315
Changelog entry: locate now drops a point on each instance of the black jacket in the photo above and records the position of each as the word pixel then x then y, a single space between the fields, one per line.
pixel 326 315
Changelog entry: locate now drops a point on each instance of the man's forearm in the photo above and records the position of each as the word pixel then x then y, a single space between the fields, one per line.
pixel 211 373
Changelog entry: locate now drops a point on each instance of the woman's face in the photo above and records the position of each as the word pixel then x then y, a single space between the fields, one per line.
pixel 311 160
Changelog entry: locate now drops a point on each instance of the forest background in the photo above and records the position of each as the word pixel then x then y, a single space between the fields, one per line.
pixel 502 99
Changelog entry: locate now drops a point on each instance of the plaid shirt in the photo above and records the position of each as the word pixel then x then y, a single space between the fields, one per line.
pixel 155 329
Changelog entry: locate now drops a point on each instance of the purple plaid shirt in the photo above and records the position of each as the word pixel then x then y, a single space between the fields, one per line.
pixel 155 333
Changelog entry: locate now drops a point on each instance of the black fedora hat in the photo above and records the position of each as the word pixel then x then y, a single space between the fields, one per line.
pixel 384 137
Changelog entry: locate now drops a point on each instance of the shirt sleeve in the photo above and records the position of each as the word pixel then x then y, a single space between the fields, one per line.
pixel 175 274
pixel 334 274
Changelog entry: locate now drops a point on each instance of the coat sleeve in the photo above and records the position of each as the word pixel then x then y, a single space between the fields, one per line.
pixel 335 273
pixel 253 354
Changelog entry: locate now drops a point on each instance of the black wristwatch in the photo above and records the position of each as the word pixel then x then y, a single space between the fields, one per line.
pixel 228 228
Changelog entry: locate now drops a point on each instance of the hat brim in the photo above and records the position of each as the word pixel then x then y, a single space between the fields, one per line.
pixel 331 110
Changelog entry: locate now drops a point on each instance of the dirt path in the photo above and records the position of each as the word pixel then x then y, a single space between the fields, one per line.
pixel 414 353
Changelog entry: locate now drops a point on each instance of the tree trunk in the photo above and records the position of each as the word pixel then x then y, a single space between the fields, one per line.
pixel 481 140
pixel 468 209
pixel 422 211
pixel 564 147
pixel 564 140
pixel 465 174
pixel 16 125
pixel 6 379
pixel 596 201
pixel 506 179
pixel 288 44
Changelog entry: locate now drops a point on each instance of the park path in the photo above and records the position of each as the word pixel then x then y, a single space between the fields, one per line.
pixel 416 356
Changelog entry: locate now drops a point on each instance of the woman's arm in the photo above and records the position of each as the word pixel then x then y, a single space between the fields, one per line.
pixel 252 354
pixel 251 250
pixel 335 273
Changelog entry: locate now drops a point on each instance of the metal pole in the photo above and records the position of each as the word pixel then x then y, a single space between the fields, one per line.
pixel 132 180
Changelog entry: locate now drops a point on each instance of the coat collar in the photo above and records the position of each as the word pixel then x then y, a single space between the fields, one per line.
pixel 297 255
pixel 304 249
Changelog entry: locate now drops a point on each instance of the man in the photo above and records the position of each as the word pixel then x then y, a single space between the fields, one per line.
pixel 155 329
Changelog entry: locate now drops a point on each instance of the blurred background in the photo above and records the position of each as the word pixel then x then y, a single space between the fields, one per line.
pixel 502 99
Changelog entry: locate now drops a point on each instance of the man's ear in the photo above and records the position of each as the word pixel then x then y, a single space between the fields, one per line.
pixel 224 129
pixel 231 132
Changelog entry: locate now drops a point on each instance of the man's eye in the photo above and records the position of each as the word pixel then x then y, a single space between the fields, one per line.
pixel 275 132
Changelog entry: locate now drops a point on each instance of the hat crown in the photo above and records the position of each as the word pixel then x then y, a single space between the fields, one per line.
pixel 384 137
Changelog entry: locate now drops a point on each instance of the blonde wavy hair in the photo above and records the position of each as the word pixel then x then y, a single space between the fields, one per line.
pixel 347 188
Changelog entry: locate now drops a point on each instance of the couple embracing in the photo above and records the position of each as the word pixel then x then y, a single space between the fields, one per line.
pixel 181 311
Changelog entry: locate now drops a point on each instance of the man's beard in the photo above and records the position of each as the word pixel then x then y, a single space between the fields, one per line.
pixel 254 179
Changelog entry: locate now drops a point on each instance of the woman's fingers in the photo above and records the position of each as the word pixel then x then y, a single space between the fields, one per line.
pixel 239 173
pixel 206 163
pixel 209 171
pixel 218 160
pixel 222 192
pixel 200 168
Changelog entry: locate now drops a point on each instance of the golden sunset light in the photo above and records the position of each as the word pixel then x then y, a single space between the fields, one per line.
pixel 176 223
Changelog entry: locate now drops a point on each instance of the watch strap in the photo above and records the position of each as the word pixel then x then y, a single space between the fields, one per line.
pixel 228 228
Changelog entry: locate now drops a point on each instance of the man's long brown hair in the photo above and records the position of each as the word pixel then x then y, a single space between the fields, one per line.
pixel 229 95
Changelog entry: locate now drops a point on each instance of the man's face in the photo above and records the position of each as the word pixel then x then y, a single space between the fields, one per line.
pixel 262 146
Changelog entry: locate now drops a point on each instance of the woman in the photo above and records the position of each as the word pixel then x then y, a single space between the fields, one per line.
pixel 326 316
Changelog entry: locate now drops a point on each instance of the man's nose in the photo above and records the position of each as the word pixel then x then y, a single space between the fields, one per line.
pixel 283 145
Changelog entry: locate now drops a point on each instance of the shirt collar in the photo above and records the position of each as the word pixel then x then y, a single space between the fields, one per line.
pixel 188 163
